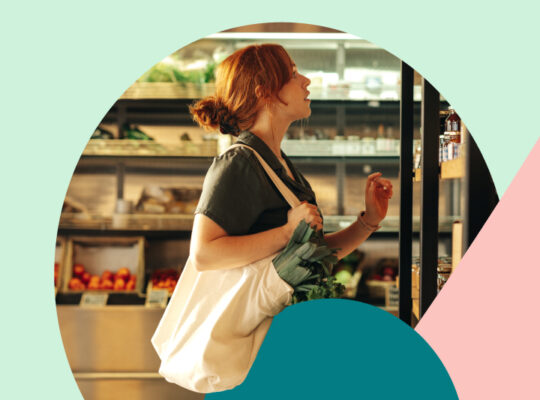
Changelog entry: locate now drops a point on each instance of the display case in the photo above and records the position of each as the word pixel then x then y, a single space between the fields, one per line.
pixel 454 197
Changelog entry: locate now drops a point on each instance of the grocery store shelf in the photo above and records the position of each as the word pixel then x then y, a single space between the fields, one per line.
pixel 353 91
pixel 165 225
pixel 148 148
pixel 140 150
pixel 114 299
pixel 342 148
pixel 453 169
pixel 126 222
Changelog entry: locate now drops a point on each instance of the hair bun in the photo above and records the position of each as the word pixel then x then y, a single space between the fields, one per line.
pixel 228 123
pixel 211 113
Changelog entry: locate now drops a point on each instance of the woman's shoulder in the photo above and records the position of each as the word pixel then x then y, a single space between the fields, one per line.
pixel 237 160
pixel 237 166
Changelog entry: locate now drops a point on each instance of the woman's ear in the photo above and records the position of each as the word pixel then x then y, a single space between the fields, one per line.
pixel 259 92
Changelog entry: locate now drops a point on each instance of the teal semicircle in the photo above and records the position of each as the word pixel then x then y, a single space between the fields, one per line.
pixel 342 349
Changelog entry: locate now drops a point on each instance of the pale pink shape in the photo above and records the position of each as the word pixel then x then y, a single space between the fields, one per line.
pixel 485 324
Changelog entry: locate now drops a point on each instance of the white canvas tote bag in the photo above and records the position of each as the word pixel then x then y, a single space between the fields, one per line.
pixel 216 321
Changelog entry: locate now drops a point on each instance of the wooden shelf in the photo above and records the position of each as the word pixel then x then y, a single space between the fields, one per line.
pixel 417 175
pixel 453 169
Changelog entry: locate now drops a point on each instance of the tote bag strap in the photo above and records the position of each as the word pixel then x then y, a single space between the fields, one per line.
pixel 289 196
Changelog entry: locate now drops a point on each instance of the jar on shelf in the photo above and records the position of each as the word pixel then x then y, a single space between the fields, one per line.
pixel 453 122
pixel 444 269
pixel 443 148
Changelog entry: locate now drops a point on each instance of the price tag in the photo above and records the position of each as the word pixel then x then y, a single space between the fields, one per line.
pixel 157 298
pixel 392 299
pixel 94 299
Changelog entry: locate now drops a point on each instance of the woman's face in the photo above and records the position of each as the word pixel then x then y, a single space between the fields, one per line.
pixel 295 94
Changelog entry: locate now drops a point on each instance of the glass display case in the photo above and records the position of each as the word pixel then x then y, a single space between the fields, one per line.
pixel 451 184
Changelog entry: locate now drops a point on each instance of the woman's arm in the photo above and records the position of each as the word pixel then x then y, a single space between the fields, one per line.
pixel 378 192
pixel 211 247
pixel 348 239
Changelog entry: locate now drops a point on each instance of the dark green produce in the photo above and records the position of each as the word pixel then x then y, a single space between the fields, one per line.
pixel 209 72
pixel 306 264
pixel 101 133
pixel 134 133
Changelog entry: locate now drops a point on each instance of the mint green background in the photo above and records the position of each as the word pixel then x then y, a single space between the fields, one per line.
pixel 65 63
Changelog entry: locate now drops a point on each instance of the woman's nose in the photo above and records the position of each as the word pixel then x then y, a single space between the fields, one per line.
pixel 308 81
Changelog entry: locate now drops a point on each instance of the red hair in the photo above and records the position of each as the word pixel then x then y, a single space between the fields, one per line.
pixel 245 78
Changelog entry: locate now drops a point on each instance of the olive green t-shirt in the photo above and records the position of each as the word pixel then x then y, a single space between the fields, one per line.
pixel 240 197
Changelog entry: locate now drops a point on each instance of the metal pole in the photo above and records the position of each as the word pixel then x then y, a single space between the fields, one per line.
pixel 429 214
pixel 340 186
pixel 406 192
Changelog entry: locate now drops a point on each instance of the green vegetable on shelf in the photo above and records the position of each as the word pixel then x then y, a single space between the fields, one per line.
pixel 101 133
pixel 209 72
pixel 134 133
pixel 305 264
pixel 161 72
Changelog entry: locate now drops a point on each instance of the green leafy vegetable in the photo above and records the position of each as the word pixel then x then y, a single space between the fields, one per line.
pixel 306 263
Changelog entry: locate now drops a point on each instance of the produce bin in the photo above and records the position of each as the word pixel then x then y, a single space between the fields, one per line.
pixel 164 279
pixel 59 259
pixel 101 254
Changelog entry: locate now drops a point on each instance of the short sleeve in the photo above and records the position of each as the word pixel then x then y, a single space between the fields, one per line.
pixel 232 193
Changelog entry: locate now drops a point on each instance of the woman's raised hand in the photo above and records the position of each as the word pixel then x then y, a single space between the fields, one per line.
pixel 378 192
pixel 304 211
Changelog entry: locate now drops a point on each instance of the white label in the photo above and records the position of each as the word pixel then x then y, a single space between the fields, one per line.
pixel 157 298
pixel 94 299
pixel 393 297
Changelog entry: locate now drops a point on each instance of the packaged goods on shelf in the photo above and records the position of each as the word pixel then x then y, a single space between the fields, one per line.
pixel 170 200
pixel 113 264
pixel 444 269
pixel 354 147
pixel 132 147
pixel 450 142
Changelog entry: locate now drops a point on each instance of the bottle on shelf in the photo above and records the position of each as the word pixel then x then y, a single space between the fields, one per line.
pixel 453 135
pixel 453 122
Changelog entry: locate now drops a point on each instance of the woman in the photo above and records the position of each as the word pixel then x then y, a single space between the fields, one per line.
pixel 241 217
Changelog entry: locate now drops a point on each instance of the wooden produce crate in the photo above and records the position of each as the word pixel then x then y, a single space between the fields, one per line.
pixel 59 259
pixel 166 279
pixel 101 254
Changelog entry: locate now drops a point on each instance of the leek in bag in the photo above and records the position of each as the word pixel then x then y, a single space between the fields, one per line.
pixel 306 263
